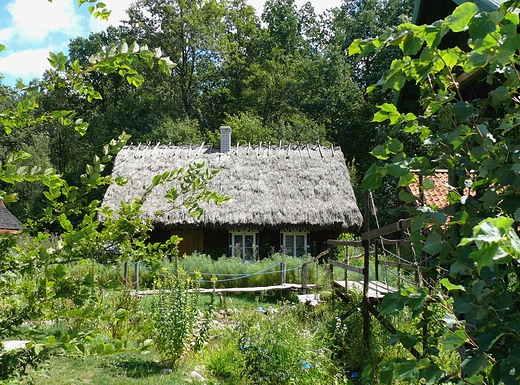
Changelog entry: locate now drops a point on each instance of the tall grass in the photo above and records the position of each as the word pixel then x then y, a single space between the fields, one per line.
pixel 232 272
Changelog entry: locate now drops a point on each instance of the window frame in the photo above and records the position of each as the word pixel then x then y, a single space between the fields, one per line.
pixel 294 248
pixel 242 234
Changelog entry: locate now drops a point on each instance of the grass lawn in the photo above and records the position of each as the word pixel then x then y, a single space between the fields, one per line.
pixel 118 369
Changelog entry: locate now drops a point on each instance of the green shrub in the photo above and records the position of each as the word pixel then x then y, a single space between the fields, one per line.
pixel 123 314
pixel 277 349
pixel 13 363
pixel 233 272
pixel 225 362
pixel 175 312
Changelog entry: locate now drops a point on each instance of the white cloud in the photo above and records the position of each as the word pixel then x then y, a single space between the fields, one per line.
pixel 117 8
pixel 26 64
pixel 33 21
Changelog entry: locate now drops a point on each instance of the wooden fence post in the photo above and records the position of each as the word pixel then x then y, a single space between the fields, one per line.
pixel 125 275
pixel 136 276
pixel 347 262
pixel 305 277
pixel 283 273
pixel 366 272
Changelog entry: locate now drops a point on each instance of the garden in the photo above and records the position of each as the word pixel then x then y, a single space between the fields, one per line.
pixel 106 334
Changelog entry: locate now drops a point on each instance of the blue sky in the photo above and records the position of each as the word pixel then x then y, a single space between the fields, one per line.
pixel 30 29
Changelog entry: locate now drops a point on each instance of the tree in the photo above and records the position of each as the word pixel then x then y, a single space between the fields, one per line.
pixel 284 27
pixel 188 31
pixel 223 93
pixel 469 116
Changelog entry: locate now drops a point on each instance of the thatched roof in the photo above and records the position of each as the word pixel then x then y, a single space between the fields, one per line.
pixel 8 222
pixel 274 187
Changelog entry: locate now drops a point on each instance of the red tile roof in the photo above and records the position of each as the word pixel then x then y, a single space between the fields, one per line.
pixel 436 196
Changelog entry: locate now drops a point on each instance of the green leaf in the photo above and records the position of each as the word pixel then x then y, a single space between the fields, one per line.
pixel 432 374
pixel 406 179
pixel 454 340
pixel 81 127
pixel 488 338
pixel 461 16
pixel 388 107
pixel 490 230
pixel 434 33
pixel 380 152
pixel 395 145
pixel 391 303
pixel 417 299
pixel 428 184
pixel 463 304
pixel 451 287
pixel 355 48
pixel 463 110
pixel 156 180
pixel 373 178
pixel 433 244
pixel 65 223
pixel 398 170
pixel 38 348
pixel 407 197
pixel 412 44
pixel 485 255
pixel 166 65
pixel 483 24
pixel 473 365
pixel 408 371
pixel 386 374
pixel 380 117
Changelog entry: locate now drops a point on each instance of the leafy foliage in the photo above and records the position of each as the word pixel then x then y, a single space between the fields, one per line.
pixel 274 350
pixel 175 312
pixel 467 116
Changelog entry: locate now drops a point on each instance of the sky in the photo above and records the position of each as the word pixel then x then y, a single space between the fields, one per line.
pixel 30 29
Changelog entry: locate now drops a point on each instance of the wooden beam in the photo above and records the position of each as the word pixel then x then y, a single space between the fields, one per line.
pixel 394 227
pixel 336 242
pixel 287 286
pixel 355 269
pixel 394 242
pixel 366 270
pixel 404 266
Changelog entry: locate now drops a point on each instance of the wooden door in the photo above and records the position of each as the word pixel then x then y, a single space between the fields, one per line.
pixel 192 240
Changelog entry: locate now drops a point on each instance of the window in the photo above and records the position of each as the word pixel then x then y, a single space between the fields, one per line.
pixel 295 243
pixel 243 245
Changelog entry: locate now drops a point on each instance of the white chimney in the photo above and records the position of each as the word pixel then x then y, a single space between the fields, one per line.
pixel 225 138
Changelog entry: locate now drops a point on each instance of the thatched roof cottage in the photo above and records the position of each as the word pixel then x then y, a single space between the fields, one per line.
pixel 289 198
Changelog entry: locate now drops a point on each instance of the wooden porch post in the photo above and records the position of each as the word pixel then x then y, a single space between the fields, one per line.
pixel 125 275
pixel 366 272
